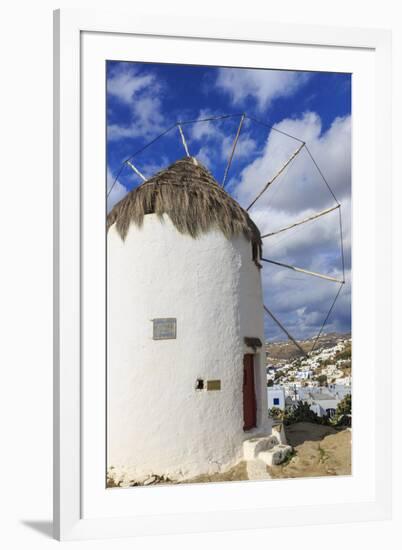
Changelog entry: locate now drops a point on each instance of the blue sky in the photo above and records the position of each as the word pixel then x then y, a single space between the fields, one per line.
pixel 143 100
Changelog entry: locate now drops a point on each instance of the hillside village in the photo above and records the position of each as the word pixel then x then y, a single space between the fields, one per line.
pixel 321 380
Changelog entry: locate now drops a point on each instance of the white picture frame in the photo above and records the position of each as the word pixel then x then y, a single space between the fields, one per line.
pixel 81 509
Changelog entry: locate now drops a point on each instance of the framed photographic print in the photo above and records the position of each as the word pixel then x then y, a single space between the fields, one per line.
pixel 222 204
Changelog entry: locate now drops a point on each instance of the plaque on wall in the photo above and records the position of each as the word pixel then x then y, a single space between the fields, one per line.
pixel 164 329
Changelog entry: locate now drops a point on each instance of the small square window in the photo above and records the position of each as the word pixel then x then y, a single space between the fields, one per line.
pixel 276 400
pixel 199 385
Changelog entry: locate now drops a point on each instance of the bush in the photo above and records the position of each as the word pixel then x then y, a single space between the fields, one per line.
pixel 345 354
pixel 276 413
pixel 343 413
pixel 302 413
pixel 345 406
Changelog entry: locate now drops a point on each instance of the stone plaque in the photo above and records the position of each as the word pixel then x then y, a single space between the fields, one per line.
pixel 164 329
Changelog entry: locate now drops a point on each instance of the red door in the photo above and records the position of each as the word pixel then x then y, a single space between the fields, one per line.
pixel 249 402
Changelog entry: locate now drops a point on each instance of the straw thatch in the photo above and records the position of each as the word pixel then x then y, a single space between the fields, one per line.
pixel 190 196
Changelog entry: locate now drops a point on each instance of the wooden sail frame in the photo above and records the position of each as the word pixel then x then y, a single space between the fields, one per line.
pixel 236 139
pixel 271 181
pixel 305 271
pixel 274 318
pixel 135 169
pixel 302 145
pixel 300 222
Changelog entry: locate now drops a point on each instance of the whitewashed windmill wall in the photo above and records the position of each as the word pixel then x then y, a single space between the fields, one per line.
pixel 158 422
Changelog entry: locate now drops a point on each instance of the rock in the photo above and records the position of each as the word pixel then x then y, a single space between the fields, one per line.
pixel 151 480
pixel 276 455
pixel 252 447
pixel 140 480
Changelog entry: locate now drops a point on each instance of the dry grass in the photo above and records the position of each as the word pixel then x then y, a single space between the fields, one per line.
pixel 319 451
pixel 237 473
pixel 191 197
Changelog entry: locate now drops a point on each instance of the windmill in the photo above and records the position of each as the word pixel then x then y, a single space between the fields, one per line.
pixel 299 147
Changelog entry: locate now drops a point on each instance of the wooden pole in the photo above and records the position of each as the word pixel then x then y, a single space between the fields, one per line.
pixel 284 330
pixel 236 139
pixel 136 170
pixel 276 176
pixel 301 270
pixel 315 216
pixel 183 140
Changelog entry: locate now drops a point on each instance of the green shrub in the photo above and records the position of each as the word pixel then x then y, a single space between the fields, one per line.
pixel 343 413
pixel 302 413
pixel 276 413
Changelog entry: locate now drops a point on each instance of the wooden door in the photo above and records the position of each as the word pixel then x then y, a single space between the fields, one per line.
pixel 249 401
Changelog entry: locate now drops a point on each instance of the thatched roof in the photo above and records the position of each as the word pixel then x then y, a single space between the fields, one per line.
pixel 190 196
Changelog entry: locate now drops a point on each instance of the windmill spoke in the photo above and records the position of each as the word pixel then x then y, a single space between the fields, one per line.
pixel 183 140
pixel 315 216
pixel 270 182
pixel 134 169
pixel 236 139
pixel 284 330
pixel 306 271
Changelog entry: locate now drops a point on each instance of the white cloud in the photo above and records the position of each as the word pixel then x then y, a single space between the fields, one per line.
pixel 118 131
pixel 260 85
pixel 151 168
pixel 214 140
pixel 204 156
pixel 126 82
pixel 140 92
pixel 246 145
pixel 147 120
pixel 330 149
pixel 205 130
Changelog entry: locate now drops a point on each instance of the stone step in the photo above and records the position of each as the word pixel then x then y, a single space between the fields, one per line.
pixel 276 455
pixel 254 446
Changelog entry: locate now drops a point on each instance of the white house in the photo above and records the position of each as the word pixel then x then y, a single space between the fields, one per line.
pixel 186 376
pixel 324 407
pixel 304 374
pixel 276 397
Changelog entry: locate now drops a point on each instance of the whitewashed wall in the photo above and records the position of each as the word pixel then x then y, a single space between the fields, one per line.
pixel 157 421
pixel 278 393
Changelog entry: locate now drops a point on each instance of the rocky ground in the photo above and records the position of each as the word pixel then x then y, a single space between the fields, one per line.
pixel 287 351
pixel 318 451
pixel 237 473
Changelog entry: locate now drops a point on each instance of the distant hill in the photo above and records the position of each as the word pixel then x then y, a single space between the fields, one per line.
pixel 279 351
